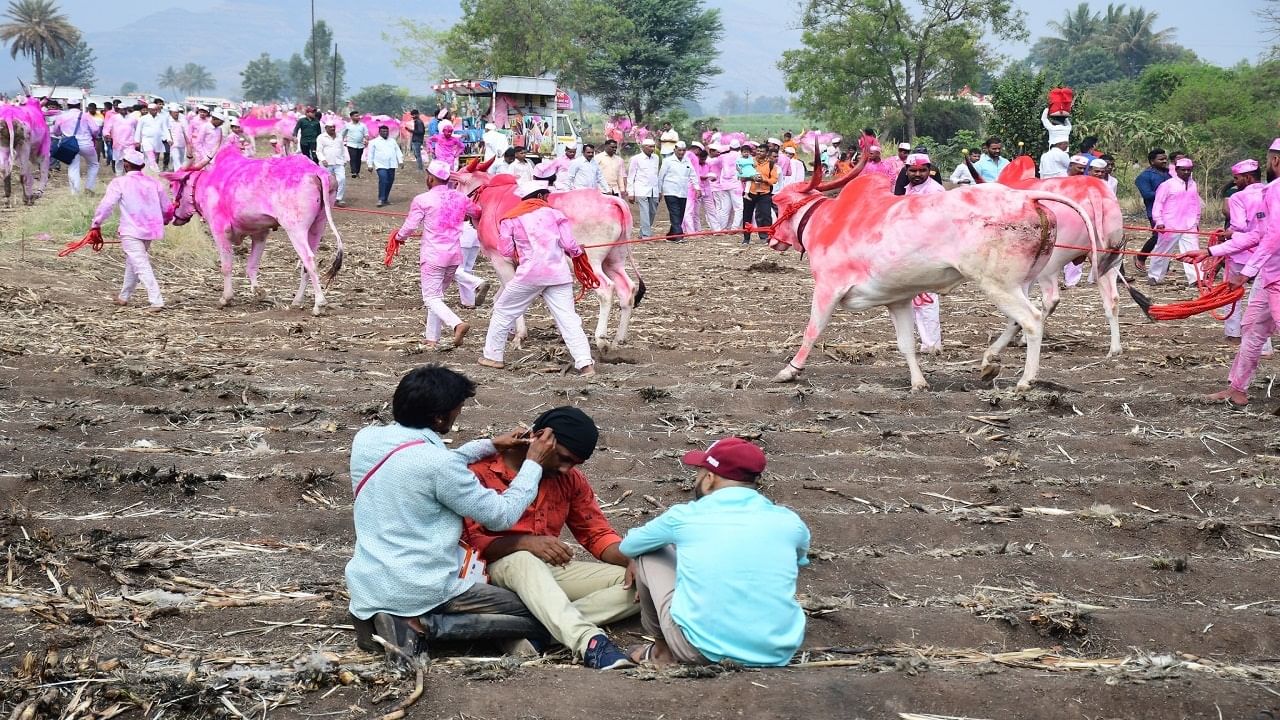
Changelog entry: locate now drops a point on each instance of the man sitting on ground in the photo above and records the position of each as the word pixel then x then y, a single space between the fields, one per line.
pixel 727 591
pixel 572 599
pixel 411 495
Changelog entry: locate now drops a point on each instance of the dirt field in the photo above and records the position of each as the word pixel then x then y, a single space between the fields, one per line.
pixel 176 505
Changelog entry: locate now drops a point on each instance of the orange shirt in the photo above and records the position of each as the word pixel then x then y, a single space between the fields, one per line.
pixel 768 178
pixel 563 499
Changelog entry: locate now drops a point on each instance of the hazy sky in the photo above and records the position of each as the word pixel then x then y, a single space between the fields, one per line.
pixel 1223 32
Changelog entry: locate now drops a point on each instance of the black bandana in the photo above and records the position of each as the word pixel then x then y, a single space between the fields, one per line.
pixel 573 429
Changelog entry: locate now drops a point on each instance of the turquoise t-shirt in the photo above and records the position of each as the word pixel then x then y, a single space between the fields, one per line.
pixel 737 558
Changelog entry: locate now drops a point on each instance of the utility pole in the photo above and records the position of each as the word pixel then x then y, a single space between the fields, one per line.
pixel 335 77
pixel 315 69
pixel 746 102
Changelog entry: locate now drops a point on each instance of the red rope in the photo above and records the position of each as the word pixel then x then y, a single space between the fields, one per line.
pixel 585 275
pixel 93 239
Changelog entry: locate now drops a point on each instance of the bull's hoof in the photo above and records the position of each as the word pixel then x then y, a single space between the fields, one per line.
pixel 1114 352
pixel 317 311
pixel 260 293
pixel 603 345
pixel 931 349
pixel 1022 386
pixel 990 371
pixel 223 302
pixel 786 375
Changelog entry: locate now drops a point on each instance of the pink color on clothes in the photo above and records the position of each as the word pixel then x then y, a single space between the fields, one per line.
pixel 1177 205
pixel 206 141
pixel 1259 325
pixel 928 187
pixel 888 167
pixel 242 143
pixel 440 213
pixel 446 148
pixel 144 206
pixel 1245 207
pixel 122 133
pixel 65 125
pixel 1265 263
pixel 137 269
pixel 542 238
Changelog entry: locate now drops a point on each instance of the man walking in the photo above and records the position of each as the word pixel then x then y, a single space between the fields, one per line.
pixel 495 142
pixel 612 170
pixel 716 577
pixel 1177 207
pixel 149 135
pixel 417 135
pixel 73 122
pixel 541 236
pixel 384 158
pixel 674 179
pixel 1148 182
pixel 925 306
pixel 668 138
pixel 144 211
pixel 355 135
pixel 584 173
pixel 307 131
pixel 333 157
pixel 642 180
pixel 758 204
pixel 572 599
pixel 177 137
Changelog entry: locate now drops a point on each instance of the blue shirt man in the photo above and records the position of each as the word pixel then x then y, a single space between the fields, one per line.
pixel 991 164
pixel 1150 179
pixel 728 590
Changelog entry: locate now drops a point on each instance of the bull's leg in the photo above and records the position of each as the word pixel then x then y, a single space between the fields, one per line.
pixel 1018 307
pixel 903 324
pixel 8 190
pixel 257 243
pixel 626 292
pixel 824 304
pixel 306 242
pixel 605 294
pixel 228 259
pixel 1111 306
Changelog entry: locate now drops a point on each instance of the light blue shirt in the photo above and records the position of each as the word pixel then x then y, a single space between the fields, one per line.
pixel 737 557
pixel 990 169
pixel 408 518
pixel 355 134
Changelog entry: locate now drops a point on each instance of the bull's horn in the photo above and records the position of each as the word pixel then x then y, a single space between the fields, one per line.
pixel 484 166
pixel 837 183
pixel 471 166
pixel 817 169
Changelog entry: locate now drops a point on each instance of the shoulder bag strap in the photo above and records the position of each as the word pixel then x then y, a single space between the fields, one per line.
pixel 385 458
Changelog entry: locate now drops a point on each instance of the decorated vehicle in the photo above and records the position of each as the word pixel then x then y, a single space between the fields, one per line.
pixel 533 112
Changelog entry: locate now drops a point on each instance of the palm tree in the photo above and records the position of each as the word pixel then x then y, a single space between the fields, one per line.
pixel 37 28
pixel 1077 26
pixel 1135 41
pixel 168 79
pixel 194 79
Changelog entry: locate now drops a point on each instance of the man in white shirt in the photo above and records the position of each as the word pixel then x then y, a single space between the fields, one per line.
pixel 668 138
pixel 673 180
pixel 149 134
pixel 961 175
pixel 177 137
pixel 495 141
pixel 1054 162
pixel 84 127
pixel 583 173
pixel 642 180
pixel 355 135
pixel 518 165
pixel 333 155
pixel 384 158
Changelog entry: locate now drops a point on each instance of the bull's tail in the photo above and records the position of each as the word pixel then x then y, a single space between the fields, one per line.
pixel 1102 260
pixel 328 214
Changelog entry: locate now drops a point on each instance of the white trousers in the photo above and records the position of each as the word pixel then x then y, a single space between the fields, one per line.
pixel 928 324
pixel 1071 274
pixel 88 155
pixel 137 269
pixel 177 157
pixel 720 210
pixel 435 280
pixel 339 174
pixel 468 281
pixel 735 197
pixel 515 299
pixel 1158 266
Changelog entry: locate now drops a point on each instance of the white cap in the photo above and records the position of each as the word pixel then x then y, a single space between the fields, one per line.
pixel 648 142
pixel 1079 160
pixel 698 145
pixel 773 141
pixel 235 122
pixel 720 147
pixel 1059 134
pixel 680 145
pixel 735 144
pixel 789 150
pixel 1098 162
pixel 544 170
pixel 525 188
pixel 218 115
pixel 134 156
pixel 444 124
pixel 439 168
pixel 174 107
pixel 904 146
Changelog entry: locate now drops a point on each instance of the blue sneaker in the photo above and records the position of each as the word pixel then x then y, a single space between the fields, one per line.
pixel 602 654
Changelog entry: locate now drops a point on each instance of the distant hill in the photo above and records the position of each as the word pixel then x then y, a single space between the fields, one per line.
pixel 225 36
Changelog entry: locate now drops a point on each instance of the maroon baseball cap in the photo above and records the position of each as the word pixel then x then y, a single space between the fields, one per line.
pixel 731 458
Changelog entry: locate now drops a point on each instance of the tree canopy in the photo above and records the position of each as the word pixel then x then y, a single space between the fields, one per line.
pixel 1091 47
pixel 862 55
pixel 263 79
pixel 39 30
pixel 73 69
pixel 317 59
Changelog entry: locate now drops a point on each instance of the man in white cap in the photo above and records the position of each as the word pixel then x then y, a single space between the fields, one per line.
pixel 674 179
pixel 144 210
pixel 733 185
pixel 176 140
pixel 495 142
pixel 540 236
pixel 149 134
pixel 643 187
pixel 439 213
pixel 207 140
pixel 1077 164
pixel 332 154
pixel 1054 162
pixel 74 122
pixel 925 305
pixel 668 138
pixel 238 139
pixel 1177 207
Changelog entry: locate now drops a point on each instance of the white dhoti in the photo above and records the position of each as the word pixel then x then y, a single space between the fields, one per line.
pixel 515 299
pixel 719 211
pixel 735 198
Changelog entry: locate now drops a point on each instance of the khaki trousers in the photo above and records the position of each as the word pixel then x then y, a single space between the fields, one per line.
pixel 572 601
pixel 656 586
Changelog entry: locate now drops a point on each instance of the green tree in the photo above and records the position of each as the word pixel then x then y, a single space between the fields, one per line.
pixel 302 71
pixel 128 88
pixel 382 100
pixel 74 69
pixel 666 55
pixel 861 55
pixel 39 30
pixel 1017 100
pixel 168 79
pixel 419 49
pixel 1135 41
pixel 194 79
pixel 935 118
pixel 1088 66
pixel 1077 27
pixel 261 80
pixel 730 104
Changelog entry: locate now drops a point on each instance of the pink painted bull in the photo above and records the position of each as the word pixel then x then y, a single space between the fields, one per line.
pixel 1092 194
pixel 868 248
pixel 15 153
pixel 241 197
pixel 596 219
